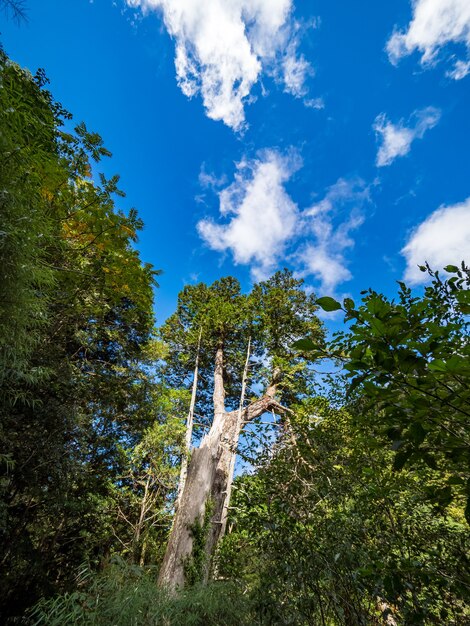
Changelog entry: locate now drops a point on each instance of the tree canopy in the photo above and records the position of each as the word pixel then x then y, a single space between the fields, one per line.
pixel 119 439
pixel 76 348
pixel 408 365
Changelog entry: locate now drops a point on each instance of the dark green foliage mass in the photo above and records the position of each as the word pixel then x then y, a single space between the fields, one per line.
pixel 326 532
pixel 272 316
pixel 76 342
pixel 408 365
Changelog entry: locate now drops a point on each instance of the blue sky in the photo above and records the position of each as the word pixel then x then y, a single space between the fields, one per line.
pixel 328 137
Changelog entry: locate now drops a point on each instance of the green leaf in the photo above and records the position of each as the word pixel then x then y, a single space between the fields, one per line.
pixel 430 461
pixel 444 496
pixel 348 304
pixel 438 365
pixel 401 458
pixel 455 480
pixel 304 345
pixel 328 304
pixel 417 433
pixel 463 298
pixel 451 269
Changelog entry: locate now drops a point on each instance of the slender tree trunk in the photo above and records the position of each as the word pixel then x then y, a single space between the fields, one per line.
pixel 143 511
pixel 138 550
pixel 189 426
pixel 234 444
pixel 143 552
pixel 206 486
pixel 387 613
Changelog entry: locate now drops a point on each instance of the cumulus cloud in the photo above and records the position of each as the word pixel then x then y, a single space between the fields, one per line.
pixel 442 239
pixel 262 226
pixel 261 217
pixel 223 46
pixel 395 139
pixel 328 225
pixel 435 23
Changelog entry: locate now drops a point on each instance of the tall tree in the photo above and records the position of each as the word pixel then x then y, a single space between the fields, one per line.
pixel 244 345
pixel 76 324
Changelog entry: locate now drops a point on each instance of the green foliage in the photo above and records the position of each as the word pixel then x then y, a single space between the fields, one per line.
pixel 128 596
pixel 409 368
pixel 138 504
pixel 218 311
pixel 27 156
pixel 355 513
pixel 78 392
pixel 328 304
pixel 325 532
pixel 194 567
pixel 273 315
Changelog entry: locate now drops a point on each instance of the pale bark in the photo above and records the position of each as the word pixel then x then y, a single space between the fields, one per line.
pixel 189 426
pixel 208 477
pixel 234 444
pixel 143 511
pixel 387 613
pixel 143 552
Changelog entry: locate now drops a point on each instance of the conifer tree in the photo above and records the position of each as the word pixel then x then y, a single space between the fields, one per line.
pixel 243 344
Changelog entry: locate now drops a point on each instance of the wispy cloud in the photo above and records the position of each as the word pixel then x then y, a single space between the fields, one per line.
pixel 262 218
pixel 208 180
pixel 328 226
pixel 460 70
pixel 262 226
pixel 395 139
pixel 314 103
pixel 223 46
pixel 435 23
pixel 442 239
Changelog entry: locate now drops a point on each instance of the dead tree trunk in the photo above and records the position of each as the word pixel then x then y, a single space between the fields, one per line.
pixel 189 426
pixel 234 443
pixel 199 520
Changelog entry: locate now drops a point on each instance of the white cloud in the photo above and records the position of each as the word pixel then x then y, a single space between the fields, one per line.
pixel 434 24
pixel 262 218
pixel 314 103
pixel 264 226
pixel 208 180
pixel 396 139
pixel 328 225
pixel 295 71
pixel 223 46
pixel 442 239
pixel 461 69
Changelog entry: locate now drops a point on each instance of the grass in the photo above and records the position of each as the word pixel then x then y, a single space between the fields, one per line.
pixel 126 595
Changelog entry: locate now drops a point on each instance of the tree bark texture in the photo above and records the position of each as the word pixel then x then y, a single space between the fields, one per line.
pixel 387 613
pixel 189 426
pixel 208 481
pixel 231 471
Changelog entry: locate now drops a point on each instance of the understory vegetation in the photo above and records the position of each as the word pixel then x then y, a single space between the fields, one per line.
pixel 354 508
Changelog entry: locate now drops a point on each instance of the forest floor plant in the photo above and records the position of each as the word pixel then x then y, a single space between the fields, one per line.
pixel 127 595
